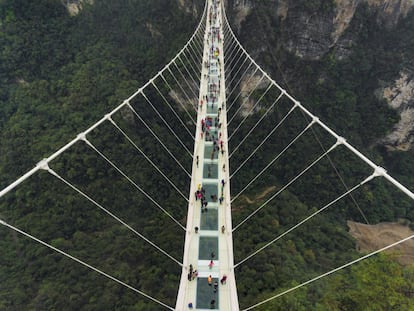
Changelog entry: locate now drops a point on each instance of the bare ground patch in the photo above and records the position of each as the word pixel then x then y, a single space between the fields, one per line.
pixel 245 199
pixel 372 237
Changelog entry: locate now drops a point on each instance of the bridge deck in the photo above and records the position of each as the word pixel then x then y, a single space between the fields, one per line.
pixel 210 250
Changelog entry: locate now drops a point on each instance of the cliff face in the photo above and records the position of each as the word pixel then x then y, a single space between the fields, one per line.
pixel 75 6
pixel 400 96
pixel 191 6
pixel 313 30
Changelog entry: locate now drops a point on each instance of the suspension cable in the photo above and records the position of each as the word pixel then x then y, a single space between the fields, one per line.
pixel 238 81
pixel 29 173
pixel 257 123
pixel 331 271
pixel 250 111
pixel 53 173
pixel 147 158
pixel 241 91
pixel 182 76
pixel 231 59
pixel 312 215
pixel 179 84
pixel 2 222
pixel 167 125
pixel 338 142
pixel 132 182
pixel 173 111
pixel 308 218
pixel 159 140
pixel 233 48
pixel 233 62
pixel 246 99
pixel 239 67
pixel 285 186
pixel 194 63
pixel 183 106
pixel 189 74
pixel 263 141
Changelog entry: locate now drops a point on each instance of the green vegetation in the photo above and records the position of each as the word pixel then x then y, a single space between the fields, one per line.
pixel 342 93
pixel 59 74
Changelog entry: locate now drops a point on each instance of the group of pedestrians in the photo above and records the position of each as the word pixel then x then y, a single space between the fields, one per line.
pixel 200 194
pixel 192 274
pixel 211 131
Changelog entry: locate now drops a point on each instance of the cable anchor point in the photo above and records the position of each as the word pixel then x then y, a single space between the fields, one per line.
pixel 82 136
pixel 44 165
pixel 315 120
pixel 379 171
pixel 340 141
pixel 109 117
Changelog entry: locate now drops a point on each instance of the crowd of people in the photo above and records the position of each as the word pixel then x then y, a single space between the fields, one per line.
pixel 211 131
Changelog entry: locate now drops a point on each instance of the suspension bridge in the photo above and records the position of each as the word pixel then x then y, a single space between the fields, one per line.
pixel 205 98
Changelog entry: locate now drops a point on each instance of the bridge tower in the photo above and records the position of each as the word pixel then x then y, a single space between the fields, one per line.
pixel 207 279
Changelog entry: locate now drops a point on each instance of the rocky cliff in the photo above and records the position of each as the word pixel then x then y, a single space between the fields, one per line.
pixel 75 6
pixel 314 30
pixel 314 27
pixel 400 96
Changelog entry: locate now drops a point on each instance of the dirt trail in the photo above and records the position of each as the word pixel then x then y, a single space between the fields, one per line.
pixel 372 237
pixel 259 196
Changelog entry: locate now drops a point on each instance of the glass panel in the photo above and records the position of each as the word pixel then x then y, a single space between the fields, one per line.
pixel 206 295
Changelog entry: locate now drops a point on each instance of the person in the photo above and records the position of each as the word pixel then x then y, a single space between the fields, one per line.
pixel 223 279
pixel 211 264
pixel 212 304
pixel 223 229
pixel 212 255
pixel 215 286
pixel 209 280
pixel 196 229
pixel 190 305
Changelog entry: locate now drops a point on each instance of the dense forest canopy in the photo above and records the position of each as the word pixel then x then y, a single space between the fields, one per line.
pixel 343 91
pixel 60 73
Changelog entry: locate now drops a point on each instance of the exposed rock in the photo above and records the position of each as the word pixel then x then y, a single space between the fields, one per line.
pixel 128 115
pixel 239 10
pixel 308 35
pixel 75 6
pixel 247 85
pixel 311 34
pixel 181 101
pixel 344 12
pixel 400 96
pixel 188 6
pixel 390 11
pixel 153 31
pixel 282 9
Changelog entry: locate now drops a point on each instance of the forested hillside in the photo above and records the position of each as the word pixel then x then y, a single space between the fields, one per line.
pixel 339 73
pixel 61 73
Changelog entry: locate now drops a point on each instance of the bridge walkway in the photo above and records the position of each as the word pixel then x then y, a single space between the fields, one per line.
pixel 209 244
